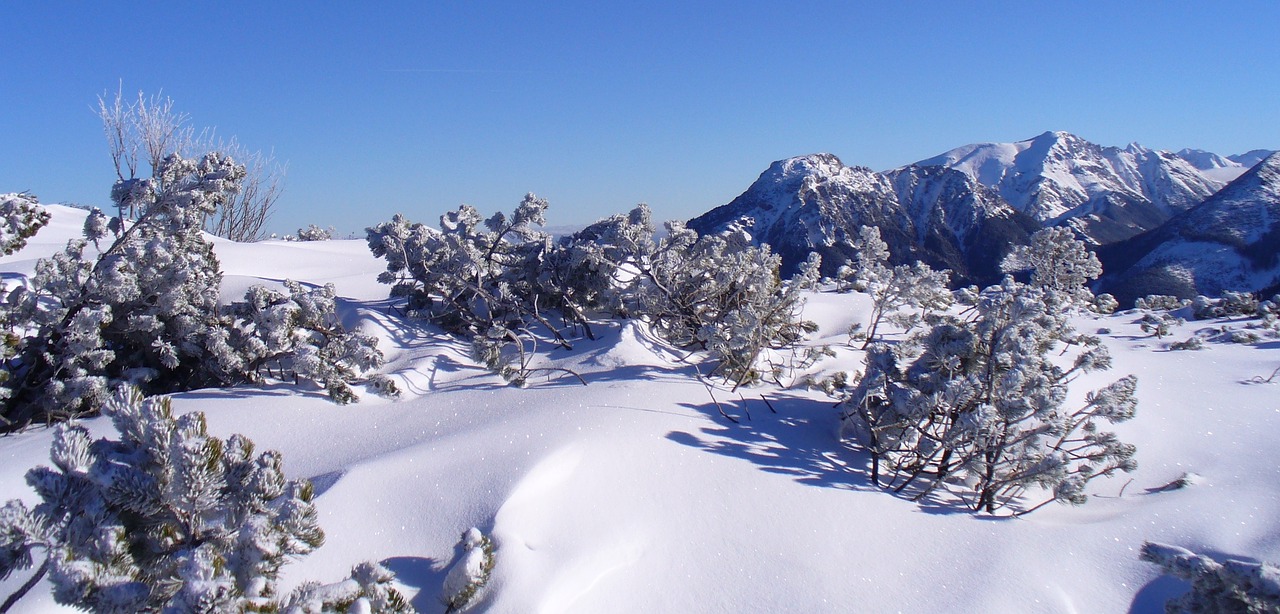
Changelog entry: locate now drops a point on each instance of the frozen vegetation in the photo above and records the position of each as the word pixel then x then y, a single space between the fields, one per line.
pixel 703 466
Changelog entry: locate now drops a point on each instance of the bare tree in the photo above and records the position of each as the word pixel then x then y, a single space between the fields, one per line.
pixel 150 128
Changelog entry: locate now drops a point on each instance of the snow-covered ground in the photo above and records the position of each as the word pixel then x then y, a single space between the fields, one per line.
pixel 633 493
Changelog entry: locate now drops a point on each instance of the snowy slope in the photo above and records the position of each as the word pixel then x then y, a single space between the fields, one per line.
pixel 1229 242
pixel 1108 193
pixel 633 494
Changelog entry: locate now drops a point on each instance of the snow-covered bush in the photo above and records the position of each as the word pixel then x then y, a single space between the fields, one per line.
pixel 1230 304
pixel 21 216
pixel 721 294
pixel 1159 325
pixel 1060 264
pixel 469 572
pixel 300 336
pixel 136 301
pixel 974 406
pixel 499 284
pixel 892 287
pixel 315 233
pixel 477 279
pixel 167 517
pixel 367 590
pixel 1229 586
pixel 1105 304
pixel 1160 302
pixel 1192 343
pixel 138 312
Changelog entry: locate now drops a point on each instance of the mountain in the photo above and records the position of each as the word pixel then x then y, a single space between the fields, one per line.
pixel 1249 159
pixel 816 203
pixel 1106 193
pixel 1229 242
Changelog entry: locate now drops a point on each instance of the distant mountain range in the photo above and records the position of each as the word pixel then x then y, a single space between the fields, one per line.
pixel 965 208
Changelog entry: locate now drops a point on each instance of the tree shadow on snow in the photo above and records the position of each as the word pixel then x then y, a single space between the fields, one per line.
pixel 424 574
pixel 798 441
pixel 1152 596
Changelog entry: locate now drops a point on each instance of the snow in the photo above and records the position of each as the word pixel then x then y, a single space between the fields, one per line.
pixel 633 494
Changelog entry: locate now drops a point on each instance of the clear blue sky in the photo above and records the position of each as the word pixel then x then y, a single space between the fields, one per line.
pixel 416 107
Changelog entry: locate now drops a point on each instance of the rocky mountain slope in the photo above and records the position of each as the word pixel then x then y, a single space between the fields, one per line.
pixel 1229 242
pixel 1106 193
pixel 816 203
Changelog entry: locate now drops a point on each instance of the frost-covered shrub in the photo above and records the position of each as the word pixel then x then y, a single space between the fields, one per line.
pixel 1192 343
pixel 469 572
pixel 298 335
pixel 1230 304
pixel 1229 586
pixel 974 406
pixel 1060 264
pixel 366 591
pixel 1159 325
pixel 1105 304
pixel 500 283
pixel 721 294
pixel 167 517
pixel 138 312
pixel 1244 336
pixel 892 287
pixel 141 307
pixel 21 216
pixel 1160 302
pixel 315 233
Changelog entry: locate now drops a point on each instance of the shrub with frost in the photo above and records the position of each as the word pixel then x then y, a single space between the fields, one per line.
pixel 315 233
pixel 169 518
pixel 1160 302
pixel 975 406
pixel 21 217
pixel 1060 264
pixel 296 336
pixel 509 289
pixel 469 572
pixel 1228 305
pixel 892 287
pixel 1229 586
pixel 136 301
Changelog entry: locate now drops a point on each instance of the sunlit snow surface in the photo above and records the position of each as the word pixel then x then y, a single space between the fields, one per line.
pixel 633 494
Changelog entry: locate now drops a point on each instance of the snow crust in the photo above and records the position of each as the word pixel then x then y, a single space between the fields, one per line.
pixel 633 494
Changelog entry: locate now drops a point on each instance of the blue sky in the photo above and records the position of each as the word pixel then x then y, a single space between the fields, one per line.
pixel 416 107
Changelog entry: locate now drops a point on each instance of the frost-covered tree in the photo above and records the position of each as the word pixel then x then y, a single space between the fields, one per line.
pixel 148 129
pixel 136 301
pixel 21 216
pixel 315 233
pixel 1059 263
pixel 137 312
pixel 167 518
pixel 500 283
pixel 721 294
pixel 1229 586
pixel 975 406
pixel 892 287
pixel 296 334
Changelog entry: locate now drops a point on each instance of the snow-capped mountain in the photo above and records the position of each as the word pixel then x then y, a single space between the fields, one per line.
pixel 1223 168
pixel 816 203
pixel 1229 242
pixel 1106 193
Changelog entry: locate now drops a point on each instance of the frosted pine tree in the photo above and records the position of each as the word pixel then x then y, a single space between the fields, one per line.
pixel 134 314
pixel 892 287
pixel 167 517
pixel 21 216
pixel 1229 586
pixel 1060 264
pixel 975 406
